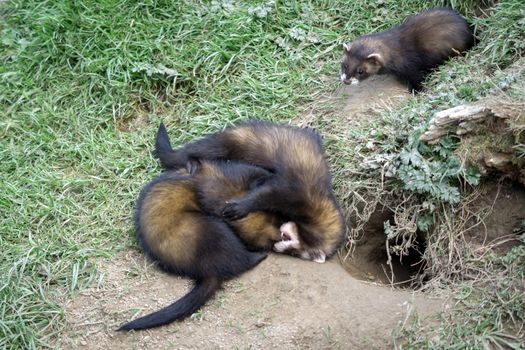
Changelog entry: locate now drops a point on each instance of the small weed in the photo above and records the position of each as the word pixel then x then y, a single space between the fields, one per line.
pixel 244 347
pixel 197 316
pixel 329 337
pixel 237 327
pixel 220 301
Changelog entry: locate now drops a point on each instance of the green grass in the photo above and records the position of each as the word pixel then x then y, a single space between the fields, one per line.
pixel 85 83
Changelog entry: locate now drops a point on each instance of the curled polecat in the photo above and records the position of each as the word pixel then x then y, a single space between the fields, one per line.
pixel 221 182
pixel 410 50
pixel 300 188
pixel 176 227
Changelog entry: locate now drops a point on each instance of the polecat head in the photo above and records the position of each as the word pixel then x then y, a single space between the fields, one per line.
pixel 292 244
pixel 359 62
pixel 316 238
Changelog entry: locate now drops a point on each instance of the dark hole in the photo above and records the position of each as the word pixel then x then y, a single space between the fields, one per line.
pixel 369 260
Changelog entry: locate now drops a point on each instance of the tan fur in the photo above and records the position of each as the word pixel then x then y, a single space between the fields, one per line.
pixel 173 215
pixel 332 221
pixel 305 153
pixel 258 229
pixel 433 26
pixel 371 66
pixel 298 187
pixel 328 218
pixel 378 45
pixel 220 186
pixel 171 222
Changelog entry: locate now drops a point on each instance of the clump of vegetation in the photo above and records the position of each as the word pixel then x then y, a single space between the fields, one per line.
pixel 429 188
pixel 488 312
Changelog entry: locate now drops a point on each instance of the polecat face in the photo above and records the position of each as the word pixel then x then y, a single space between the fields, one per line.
pixel 356 67
pixel 291 244
pixel 351 71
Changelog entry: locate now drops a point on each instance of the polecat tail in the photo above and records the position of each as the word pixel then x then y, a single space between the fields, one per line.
pixel 184 307
pixel 164 151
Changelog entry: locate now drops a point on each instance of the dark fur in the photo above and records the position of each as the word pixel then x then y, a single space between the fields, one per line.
pixel 177 226
pixel 300 190
pixel 219 183
pixel 410 50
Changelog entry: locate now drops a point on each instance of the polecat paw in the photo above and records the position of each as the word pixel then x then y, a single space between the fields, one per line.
pixel 233 211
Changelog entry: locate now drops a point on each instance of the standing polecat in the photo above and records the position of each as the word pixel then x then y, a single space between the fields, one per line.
pixel 410 50
pixel 300 188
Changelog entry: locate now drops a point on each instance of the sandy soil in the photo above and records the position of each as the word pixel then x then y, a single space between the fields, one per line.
pixel 372 95
pixel 284 303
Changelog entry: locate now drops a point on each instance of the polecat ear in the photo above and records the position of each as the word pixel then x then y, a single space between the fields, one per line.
pixel 375 58
pixel 347 47
pixel 192 166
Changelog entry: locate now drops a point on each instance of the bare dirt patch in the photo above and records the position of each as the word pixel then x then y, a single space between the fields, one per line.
pixel 354 102
pixel 285 303
pixel 367 98
pixel 500 206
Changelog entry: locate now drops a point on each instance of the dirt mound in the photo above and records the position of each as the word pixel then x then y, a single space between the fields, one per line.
pixel 501 205
pixel 498 209
pixel 377 93
pixel 284 302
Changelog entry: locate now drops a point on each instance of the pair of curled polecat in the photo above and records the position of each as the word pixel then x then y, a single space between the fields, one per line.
pixel 230 197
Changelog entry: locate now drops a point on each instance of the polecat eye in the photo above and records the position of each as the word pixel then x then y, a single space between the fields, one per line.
pixel 360 71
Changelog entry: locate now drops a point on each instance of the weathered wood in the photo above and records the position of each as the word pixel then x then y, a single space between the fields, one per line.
pixel 495 115
pixel 464 118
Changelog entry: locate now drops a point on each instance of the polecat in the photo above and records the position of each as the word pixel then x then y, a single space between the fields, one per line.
pixel 410 50
pixel 178 225
pixel 174 231
pixel 300 188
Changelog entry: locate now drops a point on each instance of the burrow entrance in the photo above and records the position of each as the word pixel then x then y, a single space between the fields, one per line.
pixel 499 226
pixel 370 260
